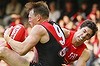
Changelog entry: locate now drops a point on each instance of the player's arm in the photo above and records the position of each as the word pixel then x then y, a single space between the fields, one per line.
pixel 66 32
pixel 83 58
pixel 23 47
pixel 3 44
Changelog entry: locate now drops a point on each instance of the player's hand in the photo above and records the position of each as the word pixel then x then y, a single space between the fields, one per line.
pixel 7 32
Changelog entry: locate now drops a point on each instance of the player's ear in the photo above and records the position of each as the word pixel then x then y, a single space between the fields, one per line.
pixel 39 17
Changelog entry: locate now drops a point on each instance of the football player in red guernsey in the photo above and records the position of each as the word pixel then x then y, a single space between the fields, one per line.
pixel 75 49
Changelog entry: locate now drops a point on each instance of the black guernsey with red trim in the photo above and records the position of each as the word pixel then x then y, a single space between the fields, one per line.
pixel 48 53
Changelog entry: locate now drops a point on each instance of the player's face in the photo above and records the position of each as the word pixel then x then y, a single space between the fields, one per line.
pixel 82 35
pixel 32 18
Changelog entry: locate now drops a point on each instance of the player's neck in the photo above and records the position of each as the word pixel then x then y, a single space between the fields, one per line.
pixel 76 44
pixel 45 20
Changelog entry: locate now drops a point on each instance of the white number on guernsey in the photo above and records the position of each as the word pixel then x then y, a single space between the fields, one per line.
pixel 59 33
pixel 72 55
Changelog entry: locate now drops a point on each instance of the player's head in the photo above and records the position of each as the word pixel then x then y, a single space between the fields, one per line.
pixel 90 24
pixel 85 32
pixel 37 11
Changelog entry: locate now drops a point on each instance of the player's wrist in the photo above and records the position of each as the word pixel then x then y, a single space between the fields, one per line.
pixel 7 39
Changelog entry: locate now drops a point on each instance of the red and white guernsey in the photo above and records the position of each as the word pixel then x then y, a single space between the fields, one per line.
pixel 72 52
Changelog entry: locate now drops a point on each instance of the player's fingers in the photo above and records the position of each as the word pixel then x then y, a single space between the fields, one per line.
pixel 7 32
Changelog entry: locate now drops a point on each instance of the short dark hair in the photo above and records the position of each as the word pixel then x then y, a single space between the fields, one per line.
pixel 39 7
pixel 90 24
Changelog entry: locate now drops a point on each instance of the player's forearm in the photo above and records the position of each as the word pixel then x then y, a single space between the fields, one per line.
pixel 20 47
pixel 15 45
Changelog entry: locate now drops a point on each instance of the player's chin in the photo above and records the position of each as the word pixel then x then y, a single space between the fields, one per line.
pixel 31 23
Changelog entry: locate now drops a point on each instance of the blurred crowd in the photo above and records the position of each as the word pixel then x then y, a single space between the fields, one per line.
pixel 69 14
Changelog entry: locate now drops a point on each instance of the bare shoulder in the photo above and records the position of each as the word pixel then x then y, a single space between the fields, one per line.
pixel 85 54
pixel 39 29
pixel 66 32
pixel 83 58
pixel 86 51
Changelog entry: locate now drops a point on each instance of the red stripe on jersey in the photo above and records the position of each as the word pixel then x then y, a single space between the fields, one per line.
pixel 52 30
